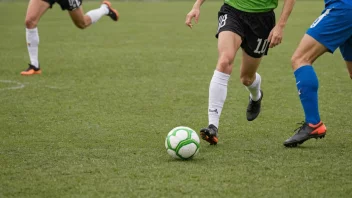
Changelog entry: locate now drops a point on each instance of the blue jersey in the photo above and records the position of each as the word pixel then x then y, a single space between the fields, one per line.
pixel 346 4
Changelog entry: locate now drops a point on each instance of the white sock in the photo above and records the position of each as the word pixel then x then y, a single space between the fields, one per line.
pixel 254 88
pixel 217 96
pixel 32 38
pixel 96 14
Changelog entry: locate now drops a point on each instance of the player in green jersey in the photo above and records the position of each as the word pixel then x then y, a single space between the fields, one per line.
pixel 249 24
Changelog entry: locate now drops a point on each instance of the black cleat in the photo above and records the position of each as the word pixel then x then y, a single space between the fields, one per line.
pixel 113 14
pixel 305 132
pixel 210 134
pixel 253 108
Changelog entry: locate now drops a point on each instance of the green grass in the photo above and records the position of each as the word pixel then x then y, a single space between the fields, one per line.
pixel 93 124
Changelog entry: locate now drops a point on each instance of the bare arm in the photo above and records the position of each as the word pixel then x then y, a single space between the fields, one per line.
pixel 285 13
pixel 194 13
pixel 276 33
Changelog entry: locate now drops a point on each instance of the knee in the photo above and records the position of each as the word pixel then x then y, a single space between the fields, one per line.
pixel 295 61
pixel 247 80
pixel 298 60
pixel 30 22
pixel 225 63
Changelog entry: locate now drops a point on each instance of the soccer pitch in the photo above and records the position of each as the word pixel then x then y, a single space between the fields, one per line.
pixel 94 123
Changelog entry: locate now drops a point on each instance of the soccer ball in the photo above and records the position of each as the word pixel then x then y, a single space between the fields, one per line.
pixel 182 143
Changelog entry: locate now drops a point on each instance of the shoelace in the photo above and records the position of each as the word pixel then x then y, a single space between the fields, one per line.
pixel 300 127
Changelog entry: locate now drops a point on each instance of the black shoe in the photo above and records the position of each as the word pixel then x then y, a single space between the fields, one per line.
pixel 253 108
pixel 210 134
pixel 113 14
pixel 305 132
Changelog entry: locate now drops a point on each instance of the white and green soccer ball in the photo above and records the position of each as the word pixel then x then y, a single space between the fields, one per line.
pixel 182 143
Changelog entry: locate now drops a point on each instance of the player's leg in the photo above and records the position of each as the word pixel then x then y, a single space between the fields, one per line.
pixel 230 32
pixel 82 20
pixel 331 30
pixel 228 44
pixel 255 46
pixel 307 84
pixel 35 10
pixel 252 80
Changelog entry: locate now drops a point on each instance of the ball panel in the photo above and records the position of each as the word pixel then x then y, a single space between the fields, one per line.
pixel 181 134
pixel 173 141
pixel 172 154
pixel 187 151
pixel 195 137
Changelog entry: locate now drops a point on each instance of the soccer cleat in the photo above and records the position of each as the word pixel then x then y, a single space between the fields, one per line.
pixel 253 108
pixel 305 132
pixel 113 14
pixel 210 134
pixel 31 71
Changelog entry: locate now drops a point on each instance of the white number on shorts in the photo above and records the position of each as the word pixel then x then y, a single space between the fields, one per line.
pixel 315 23
pixel 222 21
pixel 262 46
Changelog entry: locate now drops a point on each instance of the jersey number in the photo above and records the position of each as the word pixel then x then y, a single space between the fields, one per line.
pixel 315 23
pixel 222 21
pixel 261 47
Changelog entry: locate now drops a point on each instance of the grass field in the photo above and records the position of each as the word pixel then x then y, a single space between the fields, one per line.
pixel 93 124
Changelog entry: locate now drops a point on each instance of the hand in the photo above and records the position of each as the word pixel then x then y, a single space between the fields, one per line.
pixel 275 36
pixel 194 13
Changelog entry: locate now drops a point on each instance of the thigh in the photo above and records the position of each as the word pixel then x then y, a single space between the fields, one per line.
pixel 228 44
pixel 36 9
pixel 257 29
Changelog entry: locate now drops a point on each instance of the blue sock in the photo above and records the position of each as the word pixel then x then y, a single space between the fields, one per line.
pixel 307 85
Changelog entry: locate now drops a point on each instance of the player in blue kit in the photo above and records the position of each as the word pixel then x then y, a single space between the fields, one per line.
pixel 331 30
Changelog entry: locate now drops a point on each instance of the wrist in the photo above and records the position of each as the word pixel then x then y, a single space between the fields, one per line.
pixel 197 4
pixel 281 25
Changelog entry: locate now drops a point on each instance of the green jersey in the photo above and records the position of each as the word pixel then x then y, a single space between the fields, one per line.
pixel 253 5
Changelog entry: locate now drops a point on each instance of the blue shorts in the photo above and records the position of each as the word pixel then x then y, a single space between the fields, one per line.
pixel 333 29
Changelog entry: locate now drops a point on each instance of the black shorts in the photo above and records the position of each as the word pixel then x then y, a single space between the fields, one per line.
pixel 66 4
pixel 254 28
